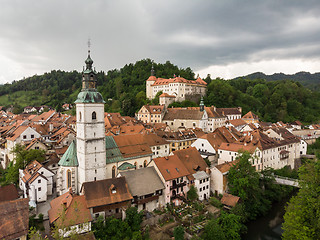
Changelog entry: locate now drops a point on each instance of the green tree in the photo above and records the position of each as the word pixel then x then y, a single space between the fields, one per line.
pixel 302 217
pixel 192 193
pixel 22 158
pixel 231 225
pixel 178 233
pixel 213 231
pixel 155 101
pixel 243 181
pixel 134 218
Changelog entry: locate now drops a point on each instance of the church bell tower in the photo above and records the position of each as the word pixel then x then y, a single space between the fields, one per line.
pixel 91 148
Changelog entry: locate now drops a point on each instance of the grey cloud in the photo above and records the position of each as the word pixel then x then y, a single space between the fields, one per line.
pixel 44 35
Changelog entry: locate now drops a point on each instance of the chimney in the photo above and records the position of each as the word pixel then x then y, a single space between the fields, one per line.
pixel 208 170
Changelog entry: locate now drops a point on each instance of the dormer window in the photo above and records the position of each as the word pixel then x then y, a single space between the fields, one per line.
pixel 94 115
pixel 113 189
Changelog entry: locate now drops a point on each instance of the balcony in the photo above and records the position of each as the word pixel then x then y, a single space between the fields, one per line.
pixel 177 185
pixel 148 199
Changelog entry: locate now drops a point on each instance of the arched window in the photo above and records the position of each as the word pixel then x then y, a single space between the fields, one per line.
pixel 145 163
pixel 94 115
pixel 79 116
pixel 113 171
pixel 69 179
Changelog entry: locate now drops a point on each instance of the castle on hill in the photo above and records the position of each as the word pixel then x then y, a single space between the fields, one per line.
pixel 177 88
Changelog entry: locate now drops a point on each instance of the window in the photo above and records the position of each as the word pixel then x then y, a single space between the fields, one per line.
pixel 94 115
pixel 39 189
pixel 145 162
pixel 32 136
pixel 79 116
pixel 39 181
pixel 37 148
pixel 113 171
pixel 69 179
pixel 24 136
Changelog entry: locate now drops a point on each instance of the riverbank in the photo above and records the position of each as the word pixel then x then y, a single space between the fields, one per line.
pixel 269 226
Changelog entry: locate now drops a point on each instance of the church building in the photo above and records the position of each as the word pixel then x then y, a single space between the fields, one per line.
pixel 85 159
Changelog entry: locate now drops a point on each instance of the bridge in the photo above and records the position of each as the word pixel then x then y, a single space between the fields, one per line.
pixel 287 181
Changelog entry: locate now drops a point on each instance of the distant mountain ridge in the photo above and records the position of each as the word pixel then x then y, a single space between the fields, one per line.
pixel 307 79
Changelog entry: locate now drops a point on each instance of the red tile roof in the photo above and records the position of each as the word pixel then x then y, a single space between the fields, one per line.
pixel 76 210
pixel 106 192
pixel 14 218
pixel 229 200
pixel 171 167
pixel 16 133
pixel 162 81
pixel 8 192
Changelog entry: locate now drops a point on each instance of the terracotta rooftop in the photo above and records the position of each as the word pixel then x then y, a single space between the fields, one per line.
pixel 153 139
pixel 191 113
pixel 250 115
pixel 236 147
pixel 229 111
pixel 191 159
pixel 162 81
pixel 31 172
pixel 225 167
pixel 75 207
pixel 154 109
pixel 166 95
pixel 14 218
pixel 44 116
pixel 16 133
pixel 171 167
pixel 229 200
pixel 132 145
pixel 8 192
pixel 105 192
pixel 237 122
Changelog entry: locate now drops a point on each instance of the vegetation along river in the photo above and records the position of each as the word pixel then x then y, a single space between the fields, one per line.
pixel 268 227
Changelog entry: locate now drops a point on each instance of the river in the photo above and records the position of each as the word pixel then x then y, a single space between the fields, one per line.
pixel 268 227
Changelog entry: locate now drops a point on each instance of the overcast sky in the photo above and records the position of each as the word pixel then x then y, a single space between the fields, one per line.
pixel 221 37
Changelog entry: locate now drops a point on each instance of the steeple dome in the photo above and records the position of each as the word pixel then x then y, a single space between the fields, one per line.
pixel 89 93
pixel 89 61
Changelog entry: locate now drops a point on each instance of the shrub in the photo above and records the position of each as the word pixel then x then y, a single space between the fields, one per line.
pixel 215 202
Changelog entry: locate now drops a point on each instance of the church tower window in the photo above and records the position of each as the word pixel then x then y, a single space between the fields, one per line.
pixel 69 179
pixel 94 115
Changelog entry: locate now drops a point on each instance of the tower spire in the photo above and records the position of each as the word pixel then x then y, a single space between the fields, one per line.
pixel 152 70
pixel 201 105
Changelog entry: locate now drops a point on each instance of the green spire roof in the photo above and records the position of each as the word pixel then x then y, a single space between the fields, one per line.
pixel 69 158
pixel 87 96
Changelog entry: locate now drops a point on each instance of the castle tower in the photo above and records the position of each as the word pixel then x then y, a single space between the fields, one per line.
pixel 91 148
pixel 150 81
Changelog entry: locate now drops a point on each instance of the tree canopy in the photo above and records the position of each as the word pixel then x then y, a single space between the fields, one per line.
pixel 22 158
pixel 302 217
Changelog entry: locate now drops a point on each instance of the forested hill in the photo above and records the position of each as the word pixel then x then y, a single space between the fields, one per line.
pixel 311 81
pixel 125 87
pixel 124 91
